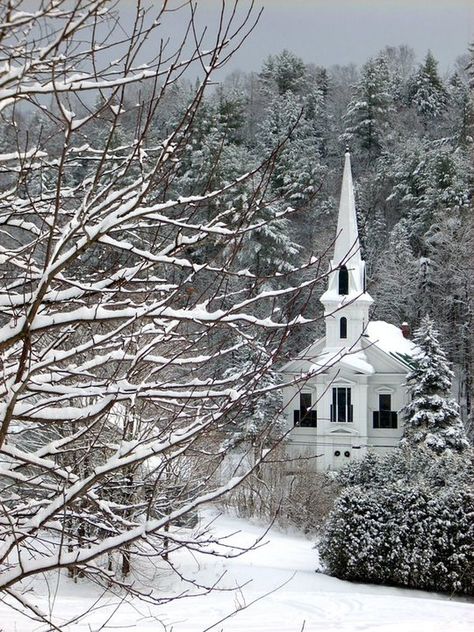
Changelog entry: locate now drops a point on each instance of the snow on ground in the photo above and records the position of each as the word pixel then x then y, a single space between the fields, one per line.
pixel 297 598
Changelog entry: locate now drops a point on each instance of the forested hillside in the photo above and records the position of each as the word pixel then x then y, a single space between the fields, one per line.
pixel 410 131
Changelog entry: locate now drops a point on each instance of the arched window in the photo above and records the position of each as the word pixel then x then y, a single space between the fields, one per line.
pixel 343 327
pixel 343 280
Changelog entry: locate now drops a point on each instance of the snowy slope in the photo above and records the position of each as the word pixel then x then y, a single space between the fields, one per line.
pixel 283 568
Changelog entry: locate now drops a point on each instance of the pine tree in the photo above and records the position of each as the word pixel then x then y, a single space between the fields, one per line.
pixel 429 181
pixel 450 246
pixel 462 111
pixel 427 91
pixel 432 418
pixel 292 122
pixel 396 278
pixel 369 111
pixel 283 73
pixel 269 249
pixel 262 419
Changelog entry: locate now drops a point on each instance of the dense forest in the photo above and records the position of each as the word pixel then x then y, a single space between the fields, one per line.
pixel 410 131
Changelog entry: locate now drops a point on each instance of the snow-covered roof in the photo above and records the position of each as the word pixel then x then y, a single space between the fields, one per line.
pixel 352 360
pixel 384 336
pixel 389 338
pixel 316 361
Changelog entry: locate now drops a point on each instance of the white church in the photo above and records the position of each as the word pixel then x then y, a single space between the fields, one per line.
pixel 343 394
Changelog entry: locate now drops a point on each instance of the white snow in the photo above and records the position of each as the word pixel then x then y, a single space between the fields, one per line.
pixel 352 360
pixel 389 338
pixel 357 362
pixel 283 568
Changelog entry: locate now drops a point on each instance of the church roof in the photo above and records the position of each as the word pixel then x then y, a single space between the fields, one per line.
pixel 379 334
pixel 390 339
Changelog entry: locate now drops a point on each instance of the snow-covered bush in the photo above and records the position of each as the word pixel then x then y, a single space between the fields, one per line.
pixel 406 519
pixel 414 466
pixel 406 535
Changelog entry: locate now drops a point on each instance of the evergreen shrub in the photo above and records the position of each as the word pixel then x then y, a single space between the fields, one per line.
pixel 416 530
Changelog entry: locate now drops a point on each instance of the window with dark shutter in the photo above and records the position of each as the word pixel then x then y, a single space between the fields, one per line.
pixel 305 417
pixel 385 417
pixel 341 407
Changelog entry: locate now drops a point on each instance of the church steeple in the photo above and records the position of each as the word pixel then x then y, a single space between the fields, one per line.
pixel 347 246
pixel 345 301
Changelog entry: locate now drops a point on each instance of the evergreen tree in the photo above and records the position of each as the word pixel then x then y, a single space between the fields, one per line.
pixel 283 73
pixel 269 249
pixel 450 244
pixel 431 418
pixel 429 181
pixel 427 92
pixel 396 278
pixel 263 419
pixel 292 122
pixel 462 111
pixel 370 108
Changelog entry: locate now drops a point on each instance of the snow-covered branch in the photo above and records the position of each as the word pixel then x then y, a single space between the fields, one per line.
pixel 126 305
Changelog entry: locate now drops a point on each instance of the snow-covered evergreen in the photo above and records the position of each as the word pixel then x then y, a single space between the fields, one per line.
pixel 404 519
pixel 427 91
pixel 432 418
pixel 403 535
pixel 368 114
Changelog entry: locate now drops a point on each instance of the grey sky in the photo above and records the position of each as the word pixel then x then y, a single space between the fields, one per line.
pixel 328 32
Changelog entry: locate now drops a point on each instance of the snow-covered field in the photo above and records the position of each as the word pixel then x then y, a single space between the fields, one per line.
pixel 279 592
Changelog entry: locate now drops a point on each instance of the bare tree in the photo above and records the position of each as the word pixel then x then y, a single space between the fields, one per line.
pixel 114 334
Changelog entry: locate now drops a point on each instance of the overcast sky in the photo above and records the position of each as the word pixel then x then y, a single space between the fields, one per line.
pixel 328 32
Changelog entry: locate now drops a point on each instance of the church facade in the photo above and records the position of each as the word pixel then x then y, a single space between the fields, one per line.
pixel 344 393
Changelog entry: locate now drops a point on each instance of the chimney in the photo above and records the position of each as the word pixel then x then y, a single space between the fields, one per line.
pixel 405 329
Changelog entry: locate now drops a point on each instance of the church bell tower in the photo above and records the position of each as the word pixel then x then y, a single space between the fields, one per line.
pixel 346 302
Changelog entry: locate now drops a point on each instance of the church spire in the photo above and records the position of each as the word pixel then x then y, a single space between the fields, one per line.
pixel 347 246
pixel 346 302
